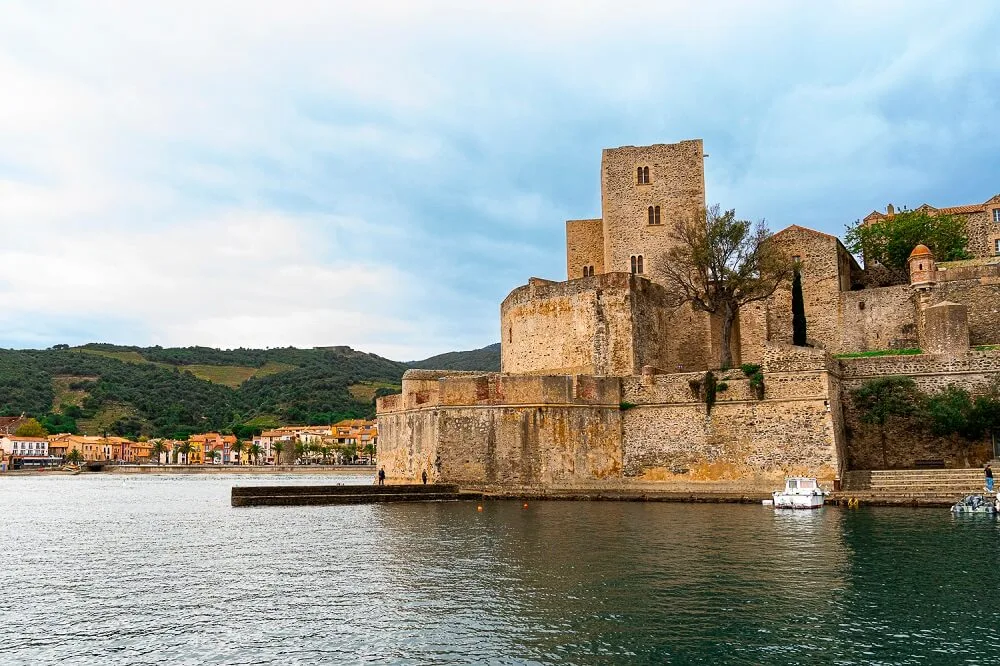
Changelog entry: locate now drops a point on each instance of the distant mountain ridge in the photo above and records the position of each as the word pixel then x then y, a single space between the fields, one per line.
pixel 172 392
pixel 486 358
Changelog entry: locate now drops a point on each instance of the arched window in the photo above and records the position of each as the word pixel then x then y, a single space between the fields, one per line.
pixel 642 175
pixel 650 211
pixel 656 215
pixel 588 271
pixel 638 175
pixel 645 174
pixel 639 264
pixel 633 264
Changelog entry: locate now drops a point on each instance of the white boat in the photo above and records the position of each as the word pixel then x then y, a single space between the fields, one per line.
pixel 800 493
pixel 977 504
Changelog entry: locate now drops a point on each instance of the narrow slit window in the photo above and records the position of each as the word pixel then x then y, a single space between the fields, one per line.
pixel 656 215
pixel 650 213
pixel 645 174
pixel 638 263
pixel 633 264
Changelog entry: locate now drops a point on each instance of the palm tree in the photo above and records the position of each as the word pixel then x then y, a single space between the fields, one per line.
pixel 277 447
pixel 326 453
pixel 74 456
pixel 300 450
pixel 158 448
pixel 255 452
pixel 185 448
pixel 238 449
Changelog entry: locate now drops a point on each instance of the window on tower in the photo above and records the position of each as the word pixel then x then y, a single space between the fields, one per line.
pixel 642 175
pixel 636 261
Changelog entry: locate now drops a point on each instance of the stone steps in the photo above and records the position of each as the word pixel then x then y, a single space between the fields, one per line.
pixel 907 482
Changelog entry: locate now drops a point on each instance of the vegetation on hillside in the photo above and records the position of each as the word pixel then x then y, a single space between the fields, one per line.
pixel 162 392
pixel 486 359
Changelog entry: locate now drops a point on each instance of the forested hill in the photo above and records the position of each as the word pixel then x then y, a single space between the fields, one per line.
pixel 173 392
pixel 487 358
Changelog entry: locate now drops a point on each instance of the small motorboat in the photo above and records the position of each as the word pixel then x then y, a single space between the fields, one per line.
pixel 800 493
pixel 977 504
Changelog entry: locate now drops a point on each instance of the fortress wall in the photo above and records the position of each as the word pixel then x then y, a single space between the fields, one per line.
pixel 982 297
pixel 754 332
pixel 610 324
pixel 676 184
pixel 904 445
pixel 878 318
pixel 581 326
pixel 584 247
pixel 755 442
pixel 822 281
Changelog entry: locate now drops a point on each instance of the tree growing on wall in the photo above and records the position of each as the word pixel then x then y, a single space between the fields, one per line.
pixel 798 310
pixel 719 263
pixel 880 400
pixel 890 241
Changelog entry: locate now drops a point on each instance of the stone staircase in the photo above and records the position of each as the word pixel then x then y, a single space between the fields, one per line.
pixel 936 486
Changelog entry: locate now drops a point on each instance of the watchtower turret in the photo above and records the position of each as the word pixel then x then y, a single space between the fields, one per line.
pixel 922 269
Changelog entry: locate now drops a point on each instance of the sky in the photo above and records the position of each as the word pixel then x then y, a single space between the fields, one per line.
pixel 382 174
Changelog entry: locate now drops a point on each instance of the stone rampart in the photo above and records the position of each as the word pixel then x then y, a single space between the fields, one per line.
pixel 525 432
pixel 610 324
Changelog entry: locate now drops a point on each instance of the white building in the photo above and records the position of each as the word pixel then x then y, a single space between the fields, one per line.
pixel 25 447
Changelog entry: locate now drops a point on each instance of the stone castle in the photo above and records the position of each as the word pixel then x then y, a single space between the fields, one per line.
pixel 604 384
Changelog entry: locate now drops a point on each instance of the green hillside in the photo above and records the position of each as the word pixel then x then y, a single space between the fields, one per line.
pixel 172 392
pixel 487 359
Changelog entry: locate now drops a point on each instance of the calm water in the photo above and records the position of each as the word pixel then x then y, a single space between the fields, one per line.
pixel 161 570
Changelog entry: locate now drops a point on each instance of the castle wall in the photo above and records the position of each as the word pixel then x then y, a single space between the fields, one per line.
pixel 676 185
pixel 982 231
pixel 610 324
pixel 826 270
pixel 982 297
pixel 905 444
pixel 879 318
pixel 524 432
pixel 584 247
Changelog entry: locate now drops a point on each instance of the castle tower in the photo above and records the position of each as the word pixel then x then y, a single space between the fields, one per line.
pixel 922 268
pixel 645 190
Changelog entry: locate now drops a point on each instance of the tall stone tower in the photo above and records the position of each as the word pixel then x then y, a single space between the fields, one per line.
pixel 645 190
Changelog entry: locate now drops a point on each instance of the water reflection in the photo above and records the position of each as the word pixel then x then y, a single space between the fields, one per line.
pixel 163 570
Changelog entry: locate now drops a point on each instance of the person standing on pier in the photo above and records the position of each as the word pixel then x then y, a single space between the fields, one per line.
pixel 989 478
pixel 381 476
pixel 423 476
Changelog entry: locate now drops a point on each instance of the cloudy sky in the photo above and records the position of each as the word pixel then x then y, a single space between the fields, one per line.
pixel 382 174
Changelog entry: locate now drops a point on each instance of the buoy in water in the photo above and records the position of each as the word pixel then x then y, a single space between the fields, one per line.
pixel 525 506
pixel 479 508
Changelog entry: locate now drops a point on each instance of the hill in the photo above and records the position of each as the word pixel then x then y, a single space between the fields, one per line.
pixel 487 359
pixel 172 392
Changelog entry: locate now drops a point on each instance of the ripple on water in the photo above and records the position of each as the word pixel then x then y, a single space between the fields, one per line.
pixel 161 570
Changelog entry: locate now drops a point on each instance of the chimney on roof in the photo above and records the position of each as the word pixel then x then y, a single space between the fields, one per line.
pixel 889 210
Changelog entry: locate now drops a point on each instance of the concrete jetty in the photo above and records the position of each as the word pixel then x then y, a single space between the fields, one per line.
pixel 346 494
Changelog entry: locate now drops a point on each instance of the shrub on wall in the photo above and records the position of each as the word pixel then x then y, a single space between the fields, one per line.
pixel 710 390
pixel 756 376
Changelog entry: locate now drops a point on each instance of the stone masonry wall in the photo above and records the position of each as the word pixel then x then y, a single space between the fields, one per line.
pixel 584 247
pixel 676 185
pixel 905 443
pixel 610 324
pixel 982 297
pixel 879 318
pixel 517 432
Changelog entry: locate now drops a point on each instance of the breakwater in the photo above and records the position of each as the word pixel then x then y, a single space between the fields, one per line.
pixel 345 494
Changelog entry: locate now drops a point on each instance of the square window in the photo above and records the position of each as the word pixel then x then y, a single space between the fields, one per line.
pixel 996 247
pixel 996 215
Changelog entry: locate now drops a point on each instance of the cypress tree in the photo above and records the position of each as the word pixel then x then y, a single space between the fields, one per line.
pixel 798 311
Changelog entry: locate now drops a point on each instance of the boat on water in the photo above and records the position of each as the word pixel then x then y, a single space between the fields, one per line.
pixel 985 504
pixel 800 492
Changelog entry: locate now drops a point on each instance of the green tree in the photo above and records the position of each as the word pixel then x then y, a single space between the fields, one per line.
pixel 31 428
pixel 883 399
pixel 159 447
pixel 952 413
pixel 74 456
pixel 238 450
pixel 718 264
pixel 254 452
pixel 277 447
pixel 890 241
pixel 185 449
pixel 798 310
